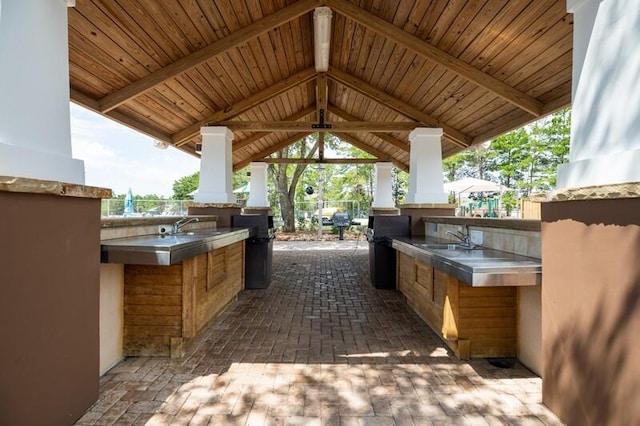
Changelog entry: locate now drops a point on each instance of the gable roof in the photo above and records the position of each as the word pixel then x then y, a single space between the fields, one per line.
pixel 475 68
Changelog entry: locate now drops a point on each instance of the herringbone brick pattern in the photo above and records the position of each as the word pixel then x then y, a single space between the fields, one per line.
pixel 320 346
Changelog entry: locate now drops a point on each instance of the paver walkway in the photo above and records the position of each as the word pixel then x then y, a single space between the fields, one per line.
pixel 320 346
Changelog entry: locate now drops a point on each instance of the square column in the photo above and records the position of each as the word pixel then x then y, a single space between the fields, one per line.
pixel 425 167
pixel 216 166
pixel 35 130
pixel 383 190
pixel 258 191
pixel 605 115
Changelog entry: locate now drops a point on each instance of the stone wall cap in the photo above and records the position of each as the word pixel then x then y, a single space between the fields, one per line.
pixel 488 222
pixel 48 187
pixel 428 206
pixel 597 192
pixel 215 205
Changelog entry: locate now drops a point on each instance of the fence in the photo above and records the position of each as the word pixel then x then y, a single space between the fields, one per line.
pixel 115 207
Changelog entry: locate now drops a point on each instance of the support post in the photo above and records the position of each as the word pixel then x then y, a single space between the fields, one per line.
pixel 425 167
pixel 426 195
pixel 383 191
pixel 35 132
pixel 215 191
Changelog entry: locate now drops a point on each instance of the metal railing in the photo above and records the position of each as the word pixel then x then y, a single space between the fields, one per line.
pixel 114 207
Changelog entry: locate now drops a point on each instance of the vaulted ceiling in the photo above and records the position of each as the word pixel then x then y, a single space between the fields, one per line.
pixel 475 68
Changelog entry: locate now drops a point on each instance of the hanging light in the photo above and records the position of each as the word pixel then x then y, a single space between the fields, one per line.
pixel 322 37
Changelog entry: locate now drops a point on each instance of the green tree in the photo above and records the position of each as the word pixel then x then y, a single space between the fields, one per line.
pixel 185 186
pixel 286 177
pixel 506 155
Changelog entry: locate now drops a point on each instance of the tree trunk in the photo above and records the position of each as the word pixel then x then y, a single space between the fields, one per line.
pixel 287 190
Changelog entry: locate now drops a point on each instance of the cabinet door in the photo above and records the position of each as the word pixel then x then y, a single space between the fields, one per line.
pixel 446 296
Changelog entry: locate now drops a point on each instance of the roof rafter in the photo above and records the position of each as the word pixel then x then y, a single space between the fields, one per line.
pixel 397 105
pixel 382 156
pixel 341 126
pixel 198 57
pixel 415 44
pixel 259 135
pixel 387 138
pixel 274 148
pixel 272 91
pixel 91 104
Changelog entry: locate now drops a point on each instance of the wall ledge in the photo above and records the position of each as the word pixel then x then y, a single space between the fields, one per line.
pixel 516 224
pixel 597 192
pixel 47 187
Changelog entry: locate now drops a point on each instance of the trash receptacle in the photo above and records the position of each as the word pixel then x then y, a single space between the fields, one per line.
pixel 258 249
pixel 382 257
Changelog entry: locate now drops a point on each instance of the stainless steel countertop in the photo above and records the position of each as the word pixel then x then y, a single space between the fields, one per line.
pixel 168 249
pixel 478 267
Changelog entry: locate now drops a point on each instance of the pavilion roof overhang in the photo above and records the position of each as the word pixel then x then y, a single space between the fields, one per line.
pixel 475 69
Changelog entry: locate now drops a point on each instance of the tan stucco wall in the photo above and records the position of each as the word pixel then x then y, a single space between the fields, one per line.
pixel 591 311
pixel 111 314
pixel 530 328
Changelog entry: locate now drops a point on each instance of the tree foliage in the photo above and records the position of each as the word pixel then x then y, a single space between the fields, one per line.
pixel 285 177
pixel 183 187
pixel 525 159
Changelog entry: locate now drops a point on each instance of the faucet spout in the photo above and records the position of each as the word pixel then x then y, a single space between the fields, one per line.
pixel 178 225
pixel 462 237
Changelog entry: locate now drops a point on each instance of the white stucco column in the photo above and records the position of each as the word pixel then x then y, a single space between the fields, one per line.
pixel 35 134
pixel 216 166
pixel 258 191
pixel 605 128
pixel 425 167
pixel 383 190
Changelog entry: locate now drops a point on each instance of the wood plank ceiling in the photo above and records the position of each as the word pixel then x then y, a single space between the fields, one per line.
pixel 475 68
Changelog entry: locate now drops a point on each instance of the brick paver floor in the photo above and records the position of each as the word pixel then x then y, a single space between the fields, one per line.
pixel 320 346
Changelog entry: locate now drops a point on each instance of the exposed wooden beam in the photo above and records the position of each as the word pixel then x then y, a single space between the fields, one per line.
pixel 321 93
pixel 272 91
pixel 321 145
pixel 200 56
pixel 319 161
pixel 275 148
pixel 382 156
pixel 385 137
pixel 519 119
pixel 415 44
pixel 259 135
pixel 92 104
pixel 296 126
pixel 396 104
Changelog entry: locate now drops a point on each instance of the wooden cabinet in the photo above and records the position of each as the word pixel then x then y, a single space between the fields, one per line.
pixel 165 306
pixel 475 322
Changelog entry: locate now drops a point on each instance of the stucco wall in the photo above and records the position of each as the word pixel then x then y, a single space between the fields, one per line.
pixel 49 302
pixel 111 314
pixel 591 310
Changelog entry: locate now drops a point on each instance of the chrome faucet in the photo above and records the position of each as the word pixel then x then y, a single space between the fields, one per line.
pixel 178 225
pixel 462 237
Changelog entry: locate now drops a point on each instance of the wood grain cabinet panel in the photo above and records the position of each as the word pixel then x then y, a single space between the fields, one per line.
pixel 475 322
pixel 166 306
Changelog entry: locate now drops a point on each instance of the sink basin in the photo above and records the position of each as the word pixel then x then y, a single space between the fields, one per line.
pixel 204 232
pixel 452 246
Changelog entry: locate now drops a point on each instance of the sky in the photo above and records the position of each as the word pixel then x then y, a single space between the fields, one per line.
pixel 119 158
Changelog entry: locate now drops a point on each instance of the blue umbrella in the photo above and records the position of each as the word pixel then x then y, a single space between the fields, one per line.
pixel 128 202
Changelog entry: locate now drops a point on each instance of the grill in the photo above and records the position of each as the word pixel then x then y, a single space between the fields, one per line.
pixel 341 220
pixel 258 249
pixel 382 258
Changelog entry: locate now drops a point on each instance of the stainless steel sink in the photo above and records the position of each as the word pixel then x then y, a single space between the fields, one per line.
pixel 452 246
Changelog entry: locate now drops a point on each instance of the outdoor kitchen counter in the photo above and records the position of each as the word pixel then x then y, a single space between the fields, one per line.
pixel 467 297
pixel 480 267
pixel 168 249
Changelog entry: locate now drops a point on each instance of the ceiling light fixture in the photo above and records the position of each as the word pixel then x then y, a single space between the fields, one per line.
pixel 322 37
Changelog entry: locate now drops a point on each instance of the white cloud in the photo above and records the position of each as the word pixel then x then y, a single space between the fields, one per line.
pixel 119 158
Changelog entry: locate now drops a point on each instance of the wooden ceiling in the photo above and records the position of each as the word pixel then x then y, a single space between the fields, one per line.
pixel 475 68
